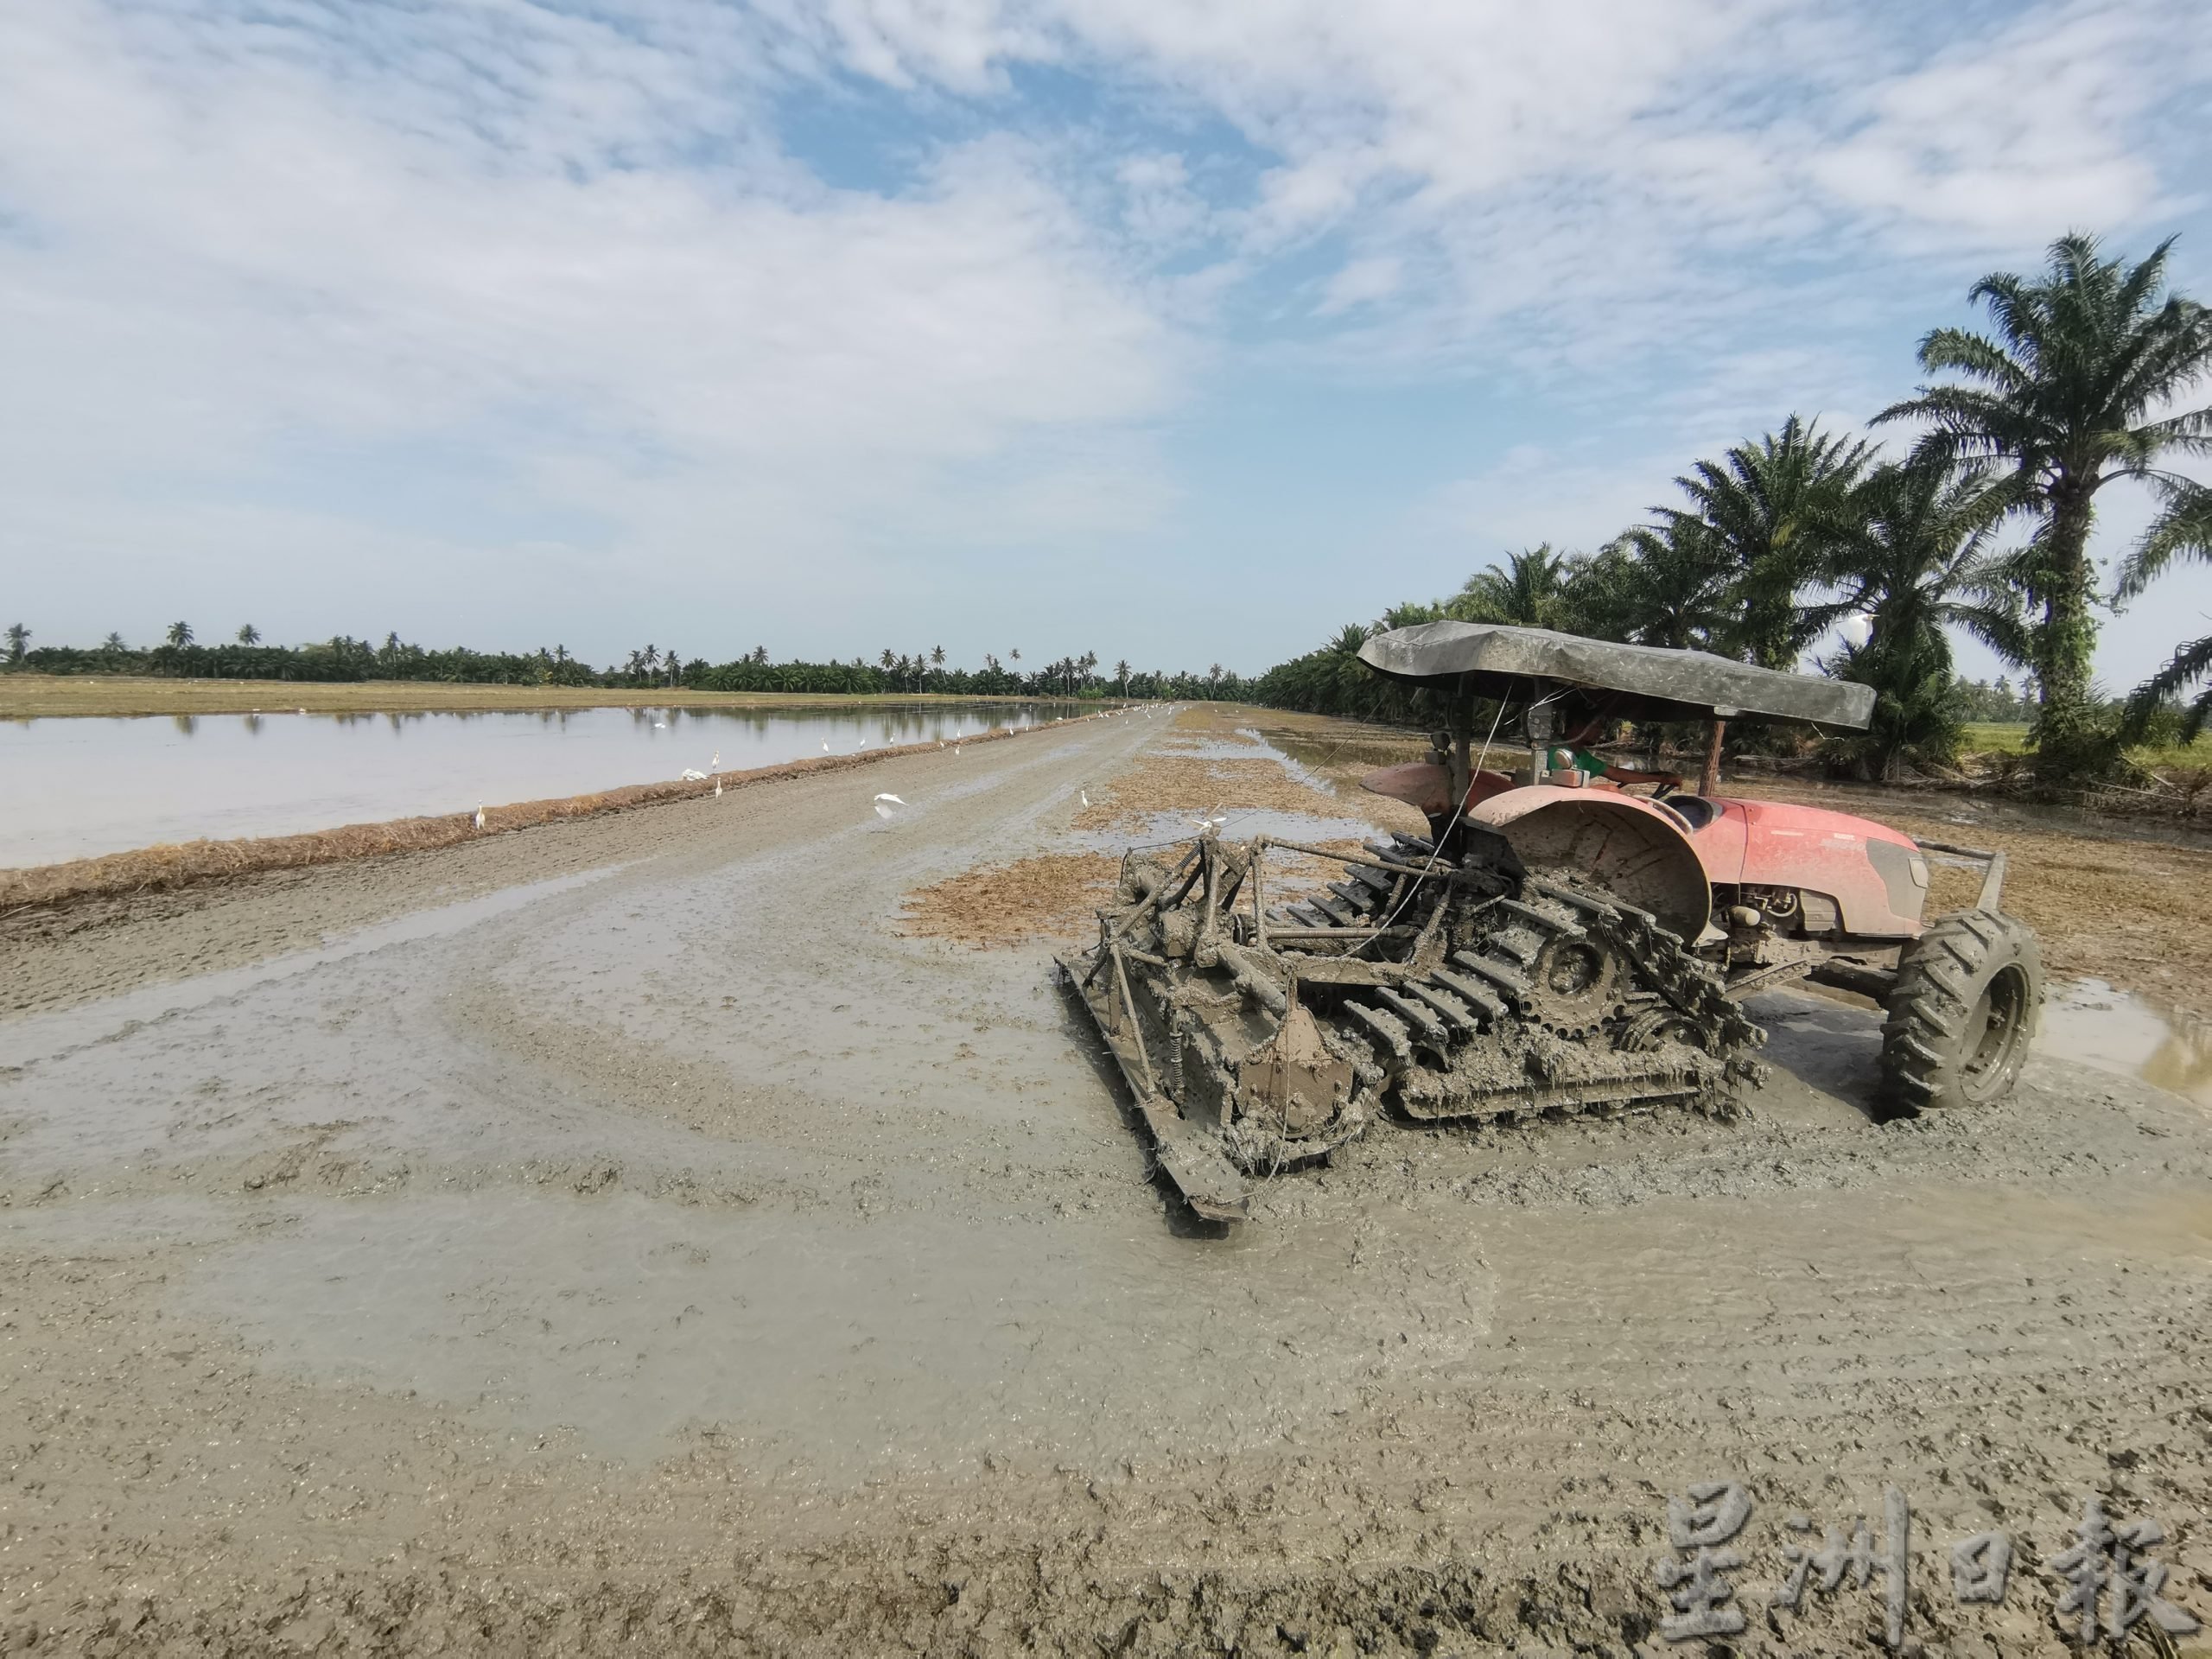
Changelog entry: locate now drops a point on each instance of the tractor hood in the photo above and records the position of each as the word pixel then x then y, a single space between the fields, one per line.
pixel 1651 683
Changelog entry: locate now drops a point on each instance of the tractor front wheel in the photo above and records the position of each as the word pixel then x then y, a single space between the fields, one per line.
pixel 1962 1013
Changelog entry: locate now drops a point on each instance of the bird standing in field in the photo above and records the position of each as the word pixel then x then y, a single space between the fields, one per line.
pixel 718 788
pixel 479 816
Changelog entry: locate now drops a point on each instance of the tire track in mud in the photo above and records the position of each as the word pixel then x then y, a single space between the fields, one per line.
pixel 579 1308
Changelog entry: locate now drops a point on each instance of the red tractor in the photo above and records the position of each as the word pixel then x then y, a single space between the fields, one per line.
pixel 1554 944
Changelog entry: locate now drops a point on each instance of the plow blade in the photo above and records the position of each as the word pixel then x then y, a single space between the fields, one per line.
pixel 1190 1157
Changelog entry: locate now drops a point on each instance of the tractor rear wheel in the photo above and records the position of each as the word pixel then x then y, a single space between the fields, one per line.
pixel 1962 1013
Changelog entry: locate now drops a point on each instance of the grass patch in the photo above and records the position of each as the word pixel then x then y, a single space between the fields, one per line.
pixel 1996 737
pixel 2171 757
pixel 2010 737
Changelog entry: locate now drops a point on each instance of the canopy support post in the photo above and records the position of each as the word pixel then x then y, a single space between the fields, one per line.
pixel 1709 780
pixel 1460 715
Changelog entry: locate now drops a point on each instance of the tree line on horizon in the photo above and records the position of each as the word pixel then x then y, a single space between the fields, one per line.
pixel 343 659
pixel 2081 382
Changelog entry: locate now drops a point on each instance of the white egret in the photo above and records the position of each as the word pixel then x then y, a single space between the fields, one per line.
pixel 825 746
pixel 691 775
pixel 1084 795
pixel 718 788
pixel 885 804
pixel 479 817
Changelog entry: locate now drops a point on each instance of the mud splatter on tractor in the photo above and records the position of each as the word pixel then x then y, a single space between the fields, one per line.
pixel 1554 946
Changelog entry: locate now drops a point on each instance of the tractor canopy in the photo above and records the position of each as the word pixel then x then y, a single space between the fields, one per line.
pixel 1647 681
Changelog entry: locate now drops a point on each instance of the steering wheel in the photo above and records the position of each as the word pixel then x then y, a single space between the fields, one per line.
pixel 1663 789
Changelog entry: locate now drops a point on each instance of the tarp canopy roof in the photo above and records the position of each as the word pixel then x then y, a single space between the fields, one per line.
pixel 1647 681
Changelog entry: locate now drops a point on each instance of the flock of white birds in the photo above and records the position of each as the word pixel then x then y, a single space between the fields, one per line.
pixel 888 806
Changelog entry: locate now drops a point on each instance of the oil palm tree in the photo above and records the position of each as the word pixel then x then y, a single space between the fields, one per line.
pixel 1910 547
pixel 1529 590
pixel 1761 506
pixel 2184 531
pixel 2071 391
pixel 1666 584
pixel 19 640
pixel 180 634
pixel 249 635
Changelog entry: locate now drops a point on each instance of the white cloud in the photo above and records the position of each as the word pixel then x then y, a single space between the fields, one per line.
pixel 231 252
pixel 1362 281
pixel 1993 144
pixel 264 271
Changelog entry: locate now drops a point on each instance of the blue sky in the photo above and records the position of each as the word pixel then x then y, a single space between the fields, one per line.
pixel 1170 330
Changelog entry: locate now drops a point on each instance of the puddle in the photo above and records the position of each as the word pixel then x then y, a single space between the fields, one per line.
pixel 2113 1030
pixel 81 787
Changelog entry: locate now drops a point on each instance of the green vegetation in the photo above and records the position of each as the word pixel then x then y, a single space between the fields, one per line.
pixel 1994 736
pixel 2072 393
pixel 344 660
pixel 1780 538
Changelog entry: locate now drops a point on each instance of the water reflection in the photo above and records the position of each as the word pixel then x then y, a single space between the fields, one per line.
pixel 85 787
pixel 2094 1023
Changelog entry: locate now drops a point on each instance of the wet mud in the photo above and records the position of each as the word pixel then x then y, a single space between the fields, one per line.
pixel 632 1235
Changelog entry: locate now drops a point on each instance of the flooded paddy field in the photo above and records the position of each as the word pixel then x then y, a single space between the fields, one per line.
pixel 80 787
pixel 639 1235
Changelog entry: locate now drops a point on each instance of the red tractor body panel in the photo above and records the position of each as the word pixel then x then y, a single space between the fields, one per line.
pixel 1873 878
pixel 1876 875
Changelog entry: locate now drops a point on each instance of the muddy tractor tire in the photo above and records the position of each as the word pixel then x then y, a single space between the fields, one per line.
pixel 1962 1013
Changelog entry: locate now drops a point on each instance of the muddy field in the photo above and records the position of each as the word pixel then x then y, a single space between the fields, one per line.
pixel 706 1229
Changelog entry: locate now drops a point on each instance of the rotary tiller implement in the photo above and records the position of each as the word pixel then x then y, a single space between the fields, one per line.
pixel 1553 947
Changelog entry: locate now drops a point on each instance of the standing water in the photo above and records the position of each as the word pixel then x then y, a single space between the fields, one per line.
pixel 79 787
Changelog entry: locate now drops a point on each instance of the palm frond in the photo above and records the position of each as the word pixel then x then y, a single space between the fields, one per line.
pixel 2181 530
pixel 2190 663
